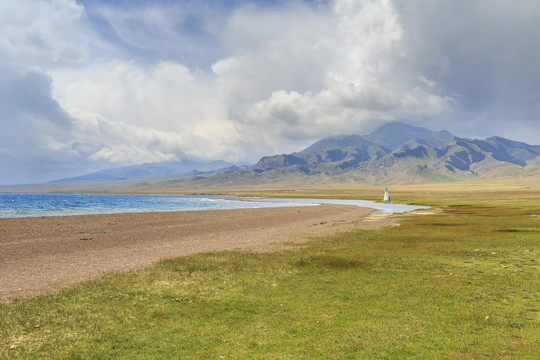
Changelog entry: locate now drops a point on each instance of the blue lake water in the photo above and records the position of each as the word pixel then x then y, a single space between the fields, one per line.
pixel 35 205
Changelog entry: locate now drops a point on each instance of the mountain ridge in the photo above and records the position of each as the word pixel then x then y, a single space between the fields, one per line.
pixel 395 152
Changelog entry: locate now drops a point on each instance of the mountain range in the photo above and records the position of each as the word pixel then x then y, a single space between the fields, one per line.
pixel 398 153
pixel 394 153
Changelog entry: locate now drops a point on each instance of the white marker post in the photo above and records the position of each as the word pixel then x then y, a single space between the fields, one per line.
pixel 386 196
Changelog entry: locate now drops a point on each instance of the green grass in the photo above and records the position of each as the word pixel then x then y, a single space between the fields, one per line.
pixel 461 284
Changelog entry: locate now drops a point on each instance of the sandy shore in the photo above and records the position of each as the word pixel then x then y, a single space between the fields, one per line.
pixel 44 254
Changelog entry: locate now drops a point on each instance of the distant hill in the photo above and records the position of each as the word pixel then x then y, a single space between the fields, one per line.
pixel 152 169
pixel 394 153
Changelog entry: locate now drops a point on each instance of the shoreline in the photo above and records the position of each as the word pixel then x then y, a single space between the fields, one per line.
pixel 34 208
pixel 98 208
pixel 44 254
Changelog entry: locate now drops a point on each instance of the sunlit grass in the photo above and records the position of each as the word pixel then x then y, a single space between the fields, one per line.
pixel 463 283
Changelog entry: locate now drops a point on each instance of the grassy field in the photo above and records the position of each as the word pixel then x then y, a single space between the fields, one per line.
pixel 460 284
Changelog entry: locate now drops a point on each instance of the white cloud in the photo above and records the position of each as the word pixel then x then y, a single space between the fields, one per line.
pixel 39 33
pixel 128 83
pixel 361 77
pixel 165 106
pixel 283 84
pixel 183 31
pixel 122 153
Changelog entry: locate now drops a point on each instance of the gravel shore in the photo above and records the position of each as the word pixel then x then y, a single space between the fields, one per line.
pixel 44 254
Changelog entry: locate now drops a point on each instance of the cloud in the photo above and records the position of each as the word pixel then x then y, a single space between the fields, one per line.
pixel 39 33
pixel 483 55
pixel 181 31
pixel 36 128
pixel 358 52
pixel 93 84
pixel 165 106
pixel 54 138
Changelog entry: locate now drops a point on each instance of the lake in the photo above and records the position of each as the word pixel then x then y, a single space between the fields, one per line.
pixel 35 205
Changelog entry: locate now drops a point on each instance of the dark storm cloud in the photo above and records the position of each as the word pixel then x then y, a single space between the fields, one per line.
pixel 485 54
pixel 36 130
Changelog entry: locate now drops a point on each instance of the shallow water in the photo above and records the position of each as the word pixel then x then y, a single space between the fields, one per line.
pixel 35 205
pixel 383 208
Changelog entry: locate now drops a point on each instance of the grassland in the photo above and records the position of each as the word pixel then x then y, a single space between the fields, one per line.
pixel 459 284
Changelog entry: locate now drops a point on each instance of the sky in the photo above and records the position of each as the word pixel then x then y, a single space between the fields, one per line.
pixel 93 84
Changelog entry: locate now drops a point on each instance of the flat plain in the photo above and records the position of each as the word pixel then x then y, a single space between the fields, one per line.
pixel 458 281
